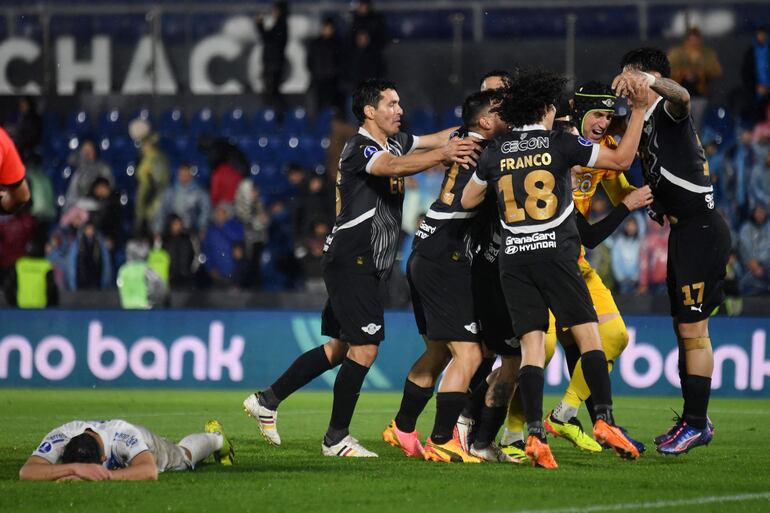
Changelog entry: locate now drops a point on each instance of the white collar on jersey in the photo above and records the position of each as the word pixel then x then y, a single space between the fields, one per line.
pixel 649 111
pixel 527 128
pixel 477 135
pixel 365 133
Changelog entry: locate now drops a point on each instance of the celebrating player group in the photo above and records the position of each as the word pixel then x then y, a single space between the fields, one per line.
pixel 498 269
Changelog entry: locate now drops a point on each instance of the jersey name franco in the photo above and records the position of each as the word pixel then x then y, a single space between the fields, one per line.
pixel 530 170
pixel 678 174
pixel 446 230
pixel 365 234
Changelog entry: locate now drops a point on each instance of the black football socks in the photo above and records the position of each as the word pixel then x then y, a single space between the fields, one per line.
pixel 696 400
pixel 598 381
pixel 302 371
pixel 531 384
pixel 412 404
pixel 347 388
pixel 448 408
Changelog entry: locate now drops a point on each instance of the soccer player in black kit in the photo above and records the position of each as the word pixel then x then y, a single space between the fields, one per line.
pixel 675 167
pixel 529 168
pixel 439 274
pixel 358 254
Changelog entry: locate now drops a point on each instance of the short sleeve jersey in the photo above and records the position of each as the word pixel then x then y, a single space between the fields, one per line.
pixel 674 164
pixel 446 231
pixel 589 178
pixel 122 441
pixel 530 170
pixel 11 167
pixel 365 233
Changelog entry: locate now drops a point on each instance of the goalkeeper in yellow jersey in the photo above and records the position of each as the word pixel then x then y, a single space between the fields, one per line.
pixel 593 107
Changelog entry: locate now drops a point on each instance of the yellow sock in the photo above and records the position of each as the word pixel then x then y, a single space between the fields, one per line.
pixel 614 340
pixel 514 422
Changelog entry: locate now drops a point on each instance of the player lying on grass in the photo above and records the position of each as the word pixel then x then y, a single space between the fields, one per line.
pixel 84 450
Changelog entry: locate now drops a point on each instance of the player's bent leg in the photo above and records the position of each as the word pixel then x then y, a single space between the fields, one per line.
pixel 200 446
pixel 263 406
pixel 450 401
pixel 225 454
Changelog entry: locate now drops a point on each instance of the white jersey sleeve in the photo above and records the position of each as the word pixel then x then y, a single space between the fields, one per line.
pixel 52 446
pixel 125 442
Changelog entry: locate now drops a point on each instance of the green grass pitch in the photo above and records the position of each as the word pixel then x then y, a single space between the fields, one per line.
pixel 729 475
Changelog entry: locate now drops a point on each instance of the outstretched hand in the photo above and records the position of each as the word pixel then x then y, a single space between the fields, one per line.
pixel 463 151
pixel 638 198
pixel 634 85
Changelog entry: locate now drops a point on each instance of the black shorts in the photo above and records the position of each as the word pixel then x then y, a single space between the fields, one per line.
pixel 698 250
pixel 491 311
pixel 442 299
pixel 531 289
pixel 354 312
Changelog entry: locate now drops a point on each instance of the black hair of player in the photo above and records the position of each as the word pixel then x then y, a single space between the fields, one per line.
pixel 648 59
pixel 475 105
pixel 82 449
pixel 529 97
pixel 503 74
pixel 369 92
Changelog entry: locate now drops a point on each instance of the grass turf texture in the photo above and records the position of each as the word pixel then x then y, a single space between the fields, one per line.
pixel 295 477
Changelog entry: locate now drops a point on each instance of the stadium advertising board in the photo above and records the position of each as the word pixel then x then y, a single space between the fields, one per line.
pixel 248 349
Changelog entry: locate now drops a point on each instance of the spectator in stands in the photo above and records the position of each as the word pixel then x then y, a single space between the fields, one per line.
pixel 224 183
pixel 89 266
pixel 28 133
pixel 279 262
pixel 625 256
pixel 754 250
pixel 250 211
pixel 742 162
pixel 720 172
pixel 755 73
pixel 653 259
pixel 366 61
pixel 695 66
pixel 186 199
pixel 88 167
pixel 140 287
pixel 16 232
pixel 107 213
pixel 222 235
pixel 152 175
pixel 31 284
pixel 759 184
pixel 733 277
pixel 314 204
pixel 274 35
pixel 41 189
pixel 325 61
pixel 314 243
pixel 181 251
pixel 366 20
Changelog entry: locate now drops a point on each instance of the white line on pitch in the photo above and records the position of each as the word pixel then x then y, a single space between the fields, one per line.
pixel 653 505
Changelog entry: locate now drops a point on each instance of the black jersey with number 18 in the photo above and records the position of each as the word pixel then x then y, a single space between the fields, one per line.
pixel 530 171
pixel 365 234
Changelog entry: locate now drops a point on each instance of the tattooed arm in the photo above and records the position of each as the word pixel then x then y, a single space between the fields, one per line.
pixel 677 98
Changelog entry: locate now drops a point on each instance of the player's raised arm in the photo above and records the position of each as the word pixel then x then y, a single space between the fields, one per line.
pixel 435 140
pixel 622 157
pixel 474 192
pixel 591 235
pixel 463 151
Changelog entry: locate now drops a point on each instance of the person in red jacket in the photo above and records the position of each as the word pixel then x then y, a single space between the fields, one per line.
pixel 14 191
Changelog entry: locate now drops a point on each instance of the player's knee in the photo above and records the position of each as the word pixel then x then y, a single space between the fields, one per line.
pixel 698 329
pixel 696 343
pixel 614 337
pixel 363 354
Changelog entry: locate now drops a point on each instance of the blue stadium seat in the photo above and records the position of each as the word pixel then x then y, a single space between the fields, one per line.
pixel 203 123
pixel 313 151
pixel 452 117
pixel 296 121
pixel 111 124
pixel 421 121
pixel 143 113
pixel 79 124
pixel 234 123
pixel 719 120
pixel 265 122
pixel 60 180
pixel 172 123
pixel 125 178
pixel 323 123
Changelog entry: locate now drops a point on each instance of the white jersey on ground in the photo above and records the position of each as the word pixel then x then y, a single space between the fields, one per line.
pixel 122 440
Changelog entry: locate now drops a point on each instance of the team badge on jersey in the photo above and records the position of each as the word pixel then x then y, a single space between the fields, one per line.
pixel 584 141
pixel 371 328
pixel 369 151
pixel 45 448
